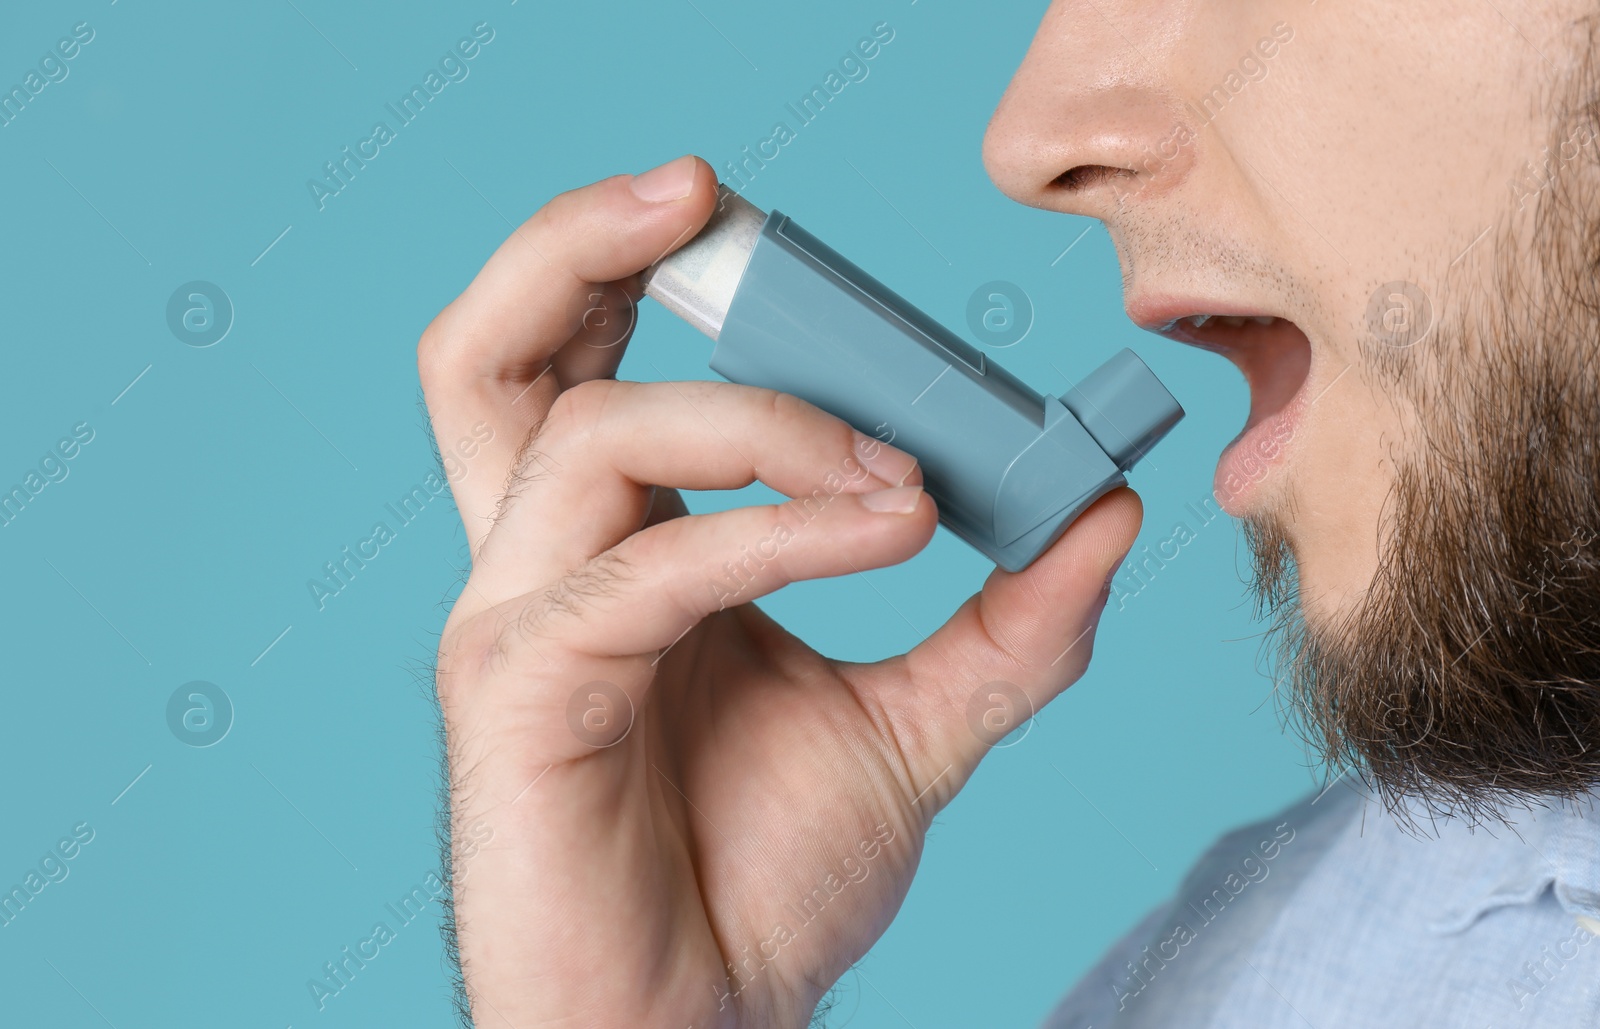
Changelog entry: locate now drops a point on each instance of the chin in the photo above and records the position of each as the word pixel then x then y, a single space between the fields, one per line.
pixel 1293 581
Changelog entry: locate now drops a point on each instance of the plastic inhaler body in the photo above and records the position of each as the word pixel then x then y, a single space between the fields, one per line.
pixel 1008 468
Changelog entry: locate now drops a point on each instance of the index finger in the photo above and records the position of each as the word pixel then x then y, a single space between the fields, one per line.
pixel 486 360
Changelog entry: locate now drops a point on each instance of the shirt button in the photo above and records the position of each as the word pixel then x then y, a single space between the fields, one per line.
pixel 1591 924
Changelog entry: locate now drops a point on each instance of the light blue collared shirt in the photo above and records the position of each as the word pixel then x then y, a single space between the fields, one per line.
pixel 1332 916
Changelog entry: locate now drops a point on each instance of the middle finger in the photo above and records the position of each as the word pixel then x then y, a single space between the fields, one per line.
pixel 583 483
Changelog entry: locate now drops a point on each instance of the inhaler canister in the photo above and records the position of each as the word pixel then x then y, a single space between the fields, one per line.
pixel 1008 468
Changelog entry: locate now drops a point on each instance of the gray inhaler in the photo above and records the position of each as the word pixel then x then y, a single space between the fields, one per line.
pixel 1008 468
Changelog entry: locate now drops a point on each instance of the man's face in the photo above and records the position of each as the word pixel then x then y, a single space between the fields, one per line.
pixel 1379 205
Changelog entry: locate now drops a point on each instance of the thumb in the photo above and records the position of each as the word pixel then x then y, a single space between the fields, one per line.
pixel 1009 650
pixel 521 307
pixel 484 360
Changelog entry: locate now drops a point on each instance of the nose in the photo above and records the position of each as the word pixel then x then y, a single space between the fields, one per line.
pixel 1090 120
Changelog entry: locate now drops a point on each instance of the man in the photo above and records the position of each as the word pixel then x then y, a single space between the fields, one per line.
pixel 1348 200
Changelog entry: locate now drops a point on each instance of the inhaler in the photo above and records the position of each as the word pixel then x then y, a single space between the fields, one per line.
pixel 1009 468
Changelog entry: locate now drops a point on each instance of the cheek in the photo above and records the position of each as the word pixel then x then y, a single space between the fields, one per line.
pixel 1456 87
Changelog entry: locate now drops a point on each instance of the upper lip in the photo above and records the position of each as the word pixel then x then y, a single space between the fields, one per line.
pixel 1161 314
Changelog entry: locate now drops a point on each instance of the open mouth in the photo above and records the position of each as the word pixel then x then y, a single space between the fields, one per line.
pixel 1275 357
pixel 1273 354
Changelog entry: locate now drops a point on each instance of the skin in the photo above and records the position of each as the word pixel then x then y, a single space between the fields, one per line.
pixel 752 769
pixel 1379 144
pixel 644 786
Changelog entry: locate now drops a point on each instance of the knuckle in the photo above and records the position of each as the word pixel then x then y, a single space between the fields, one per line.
pixel 789 410
pixel 578 409
pixel 563 207
pixel 467 653
pixel 796 417
pixel 561 214
pixel 573 596
pixel 493 646
pixel 654 547
pixel 432 351
pixel 532 617
pixel 596 579
pixel 793 515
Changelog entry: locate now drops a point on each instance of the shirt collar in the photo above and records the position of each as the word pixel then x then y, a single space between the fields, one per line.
pixel 1553 844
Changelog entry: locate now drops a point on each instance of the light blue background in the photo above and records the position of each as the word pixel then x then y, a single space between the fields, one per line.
pixel 180 545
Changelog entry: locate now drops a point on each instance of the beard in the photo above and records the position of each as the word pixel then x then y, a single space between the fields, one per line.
pixel 1468 675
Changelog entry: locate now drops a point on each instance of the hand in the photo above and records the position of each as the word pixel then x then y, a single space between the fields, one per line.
pixel 674 812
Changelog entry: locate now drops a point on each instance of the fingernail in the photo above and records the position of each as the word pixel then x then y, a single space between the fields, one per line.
pixel 884 461
pixel 898 500
pixel 671 181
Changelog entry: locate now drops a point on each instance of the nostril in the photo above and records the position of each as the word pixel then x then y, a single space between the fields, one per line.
pixel 1085 176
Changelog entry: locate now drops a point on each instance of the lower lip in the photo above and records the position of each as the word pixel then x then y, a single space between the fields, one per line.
pixel 1248 461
